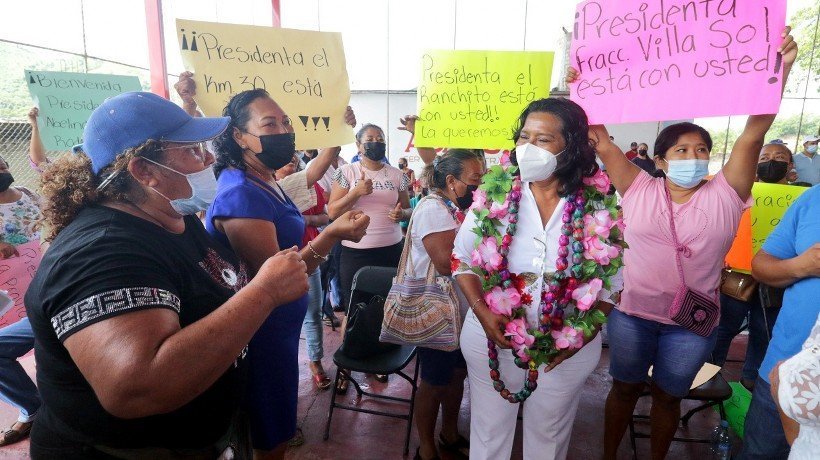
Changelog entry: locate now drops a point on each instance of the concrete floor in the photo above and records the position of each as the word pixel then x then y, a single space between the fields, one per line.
pixel 362 436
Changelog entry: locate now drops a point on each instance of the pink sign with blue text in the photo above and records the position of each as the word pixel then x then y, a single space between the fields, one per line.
pixel 677 59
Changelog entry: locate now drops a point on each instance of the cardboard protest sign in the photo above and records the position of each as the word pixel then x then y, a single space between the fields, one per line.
pixel 771 202
pixel 676 59
pixel 472 99
pixel 16 274
pixel 66 100
pixel 304 72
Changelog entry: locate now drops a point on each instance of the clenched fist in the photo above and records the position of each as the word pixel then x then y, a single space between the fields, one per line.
pixel 351 226
pixel 283 277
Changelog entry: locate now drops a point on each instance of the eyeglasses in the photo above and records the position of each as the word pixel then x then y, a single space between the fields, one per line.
pixel 197 149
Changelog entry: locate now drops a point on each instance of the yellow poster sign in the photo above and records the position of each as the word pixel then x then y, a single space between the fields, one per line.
pixel 771 202
pixel 304 71
pixel 472 99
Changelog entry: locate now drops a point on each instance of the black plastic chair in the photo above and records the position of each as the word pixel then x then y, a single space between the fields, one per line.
pixel 370 287
pixel 712 393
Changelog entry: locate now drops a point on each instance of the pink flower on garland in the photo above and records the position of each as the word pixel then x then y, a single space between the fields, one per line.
pixel 499 211
pixel 505 159
pixel 599 251
pixel 479 200
pixel 489 257
pixel 502 301
pixel 568 337
pixel 516 330
pixel 598 223
pixel 586 294
pixel 600 181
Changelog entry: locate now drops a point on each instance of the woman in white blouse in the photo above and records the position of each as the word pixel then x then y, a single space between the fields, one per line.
pixel 452 178
pixel 796 387
pixel 554 130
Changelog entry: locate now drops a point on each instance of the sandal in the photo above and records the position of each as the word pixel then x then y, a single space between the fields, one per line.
pixel 322 381
pixel 298 439
pixel 460 446
pixel 341 386
pixel 12 436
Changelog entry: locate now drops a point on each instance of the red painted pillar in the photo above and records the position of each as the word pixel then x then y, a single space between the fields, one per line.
pixel 156 48
pixel 277 13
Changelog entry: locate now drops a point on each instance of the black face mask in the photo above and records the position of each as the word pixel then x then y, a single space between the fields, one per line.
pixel 642 152
pixel 277 149
pixel 5 181
pixel 465 201
pixel 375 150
pixel 772 171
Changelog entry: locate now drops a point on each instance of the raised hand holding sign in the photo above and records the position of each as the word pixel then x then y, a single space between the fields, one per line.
pixel 304 72
pixel 715 53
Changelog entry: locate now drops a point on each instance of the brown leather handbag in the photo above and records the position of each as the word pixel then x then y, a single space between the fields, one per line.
pixel 737 285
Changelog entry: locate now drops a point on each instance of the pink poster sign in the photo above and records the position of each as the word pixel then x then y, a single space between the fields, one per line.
pixel 16 274
pixel 676 59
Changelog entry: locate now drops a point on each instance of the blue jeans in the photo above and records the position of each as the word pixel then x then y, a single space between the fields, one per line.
pixel 676 353
pixel 763 438
pixel 312 325
pixel 16 388
pixel 761 322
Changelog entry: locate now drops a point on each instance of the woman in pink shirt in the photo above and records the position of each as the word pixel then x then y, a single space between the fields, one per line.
pixel 642 332
pixel 380 191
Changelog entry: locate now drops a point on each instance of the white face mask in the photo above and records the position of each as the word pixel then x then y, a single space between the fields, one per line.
pixel 203 191
pixel 536 164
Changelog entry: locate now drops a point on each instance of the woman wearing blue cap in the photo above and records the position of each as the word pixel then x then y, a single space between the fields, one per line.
pixel 141 320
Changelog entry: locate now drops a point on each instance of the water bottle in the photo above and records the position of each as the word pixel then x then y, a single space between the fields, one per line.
pixel 721 441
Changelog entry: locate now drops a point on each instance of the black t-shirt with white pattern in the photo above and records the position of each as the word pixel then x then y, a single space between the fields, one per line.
pixel 108 263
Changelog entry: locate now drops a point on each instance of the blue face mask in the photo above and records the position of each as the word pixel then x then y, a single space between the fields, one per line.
pixel 687 173
pixel 811 149
pixel 203 191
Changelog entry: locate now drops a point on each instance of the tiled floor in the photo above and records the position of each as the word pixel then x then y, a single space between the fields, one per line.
pixel 362 436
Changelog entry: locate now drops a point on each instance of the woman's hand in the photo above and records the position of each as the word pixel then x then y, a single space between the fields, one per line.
pixel 566 353
pixel 572 75
pixel 350 117
pixel 350 226
pixel 396 214
pixel 283 277
pixel 32 115
pixel 494 325
pixel 788 48
pixel 186 88
pixel 408 123
pixel 363 187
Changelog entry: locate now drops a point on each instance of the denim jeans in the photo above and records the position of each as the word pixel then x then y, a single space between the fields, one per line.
pixel 16 388
pixel 761 322
pixel 763 435
pixel 312 325
pixel 675 353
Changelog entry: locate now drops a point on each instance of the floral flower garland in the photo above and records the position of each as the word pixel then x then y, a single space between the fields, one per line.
pixel 590 253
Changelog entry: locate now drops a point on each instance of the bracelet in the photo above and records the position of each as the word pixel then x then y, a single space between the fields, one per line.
pixel 480 299
pixel 316 254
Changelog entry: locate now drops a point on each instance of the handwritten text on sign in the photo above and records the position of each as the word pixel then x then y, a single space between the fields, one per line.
pixel 683 58
pixel 304 72
pixel 771 202
pixel 16 274
pixel 472 99
pixel 66 100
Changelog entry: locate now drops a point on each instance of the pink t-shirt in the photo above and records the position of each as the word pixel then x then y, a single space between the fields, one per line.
pixel 706 224
pixel 387 183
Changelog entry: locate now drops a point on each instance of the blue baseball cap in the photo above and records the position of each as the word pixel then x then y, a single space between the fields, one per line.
pixel 130 119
